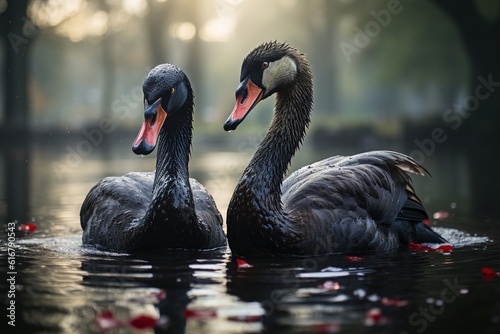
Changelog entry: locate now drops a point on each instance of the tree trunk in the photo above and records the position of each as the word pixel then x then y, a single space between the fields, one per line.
pixel 325 88
pixel 159 14
pixel 17 34
pixel 481 38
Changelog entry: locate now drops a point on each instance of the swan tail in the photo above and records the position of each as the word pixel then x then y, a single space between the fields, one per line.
pixel 411 219
pixel 424 234
pixel 417 232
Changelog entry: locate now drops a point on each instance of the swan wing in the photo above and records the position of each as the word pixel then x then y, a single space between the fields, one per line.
pixel 113 204
pixel 208 215
pixel 204 202
pixel 372 185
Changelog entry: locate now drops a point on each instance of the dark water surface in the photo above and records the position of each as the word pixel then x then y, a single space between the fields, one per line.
pixel 61 286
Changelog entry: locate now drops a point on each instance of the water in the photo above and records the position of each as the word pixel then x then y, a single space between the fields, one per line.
pixel 62 286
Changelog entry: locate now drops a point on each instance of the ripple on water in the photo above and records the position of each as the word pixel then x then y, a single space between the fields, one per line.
pixel 460 238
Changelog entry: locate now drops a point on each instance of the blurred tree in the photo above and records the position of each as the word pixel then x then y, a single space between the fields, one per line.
pixel 108 65
pixel 322 19
pixel 195 59
pixel 159 14
pixel 478 22
pixel 17 33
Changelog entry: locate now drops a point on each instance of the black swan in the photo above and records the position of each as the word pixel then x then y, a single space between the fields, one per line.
pixel 361 202
pixel 166 209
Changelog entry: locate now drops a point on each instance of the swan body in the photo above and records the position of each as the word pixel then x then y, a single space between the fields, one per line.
pixel 356 203
pixel 161 209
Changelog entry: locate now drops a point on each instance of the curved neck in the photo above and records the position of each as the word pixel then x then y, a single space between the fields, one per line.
pixel 171 189
pixel 268 166
pixel 174 147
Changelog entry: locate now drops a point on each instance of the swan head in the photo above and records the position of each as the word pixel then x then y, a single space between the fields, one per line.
pixel 165 91
pixel 269 68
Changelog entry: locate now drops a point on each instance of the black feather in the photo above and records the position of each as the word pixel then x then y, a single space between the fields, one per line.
pixel 162 209
pixel 361 202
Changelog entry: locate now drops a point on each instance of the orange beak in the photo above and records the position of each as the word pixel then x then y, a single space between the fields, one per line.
pixel 247 96
pixel 154 117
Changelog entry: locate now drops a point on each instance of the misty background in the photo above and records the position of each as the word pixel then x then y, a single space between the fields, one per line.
pixel 421 77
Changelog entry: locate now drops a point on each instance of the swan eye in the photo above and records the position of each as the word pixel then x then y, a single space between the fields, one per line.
pixel 172 91
pixel 265 65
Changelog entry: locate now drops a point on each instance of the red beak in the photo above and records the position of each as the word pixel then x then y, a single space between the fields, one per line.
pixel 154 117
pixel 247 97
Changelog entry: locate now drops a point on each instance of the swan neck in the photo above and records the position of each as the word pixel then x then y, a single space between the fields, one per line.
pixel 174 147
pixel 290 121
pixel 172 201
pixel 171 183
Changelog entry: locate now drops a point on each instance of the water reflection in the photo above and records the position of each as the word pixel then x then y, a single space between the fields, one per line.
pixel 143 281
pixel 16 166
pixel 337 290
pixel 63 286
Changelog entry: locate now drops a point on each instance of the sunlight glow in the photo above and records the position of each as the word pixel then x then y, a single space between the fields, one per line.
pixel 96 24
pixel 135 7
pixel 184 31
pixel 53 12
pixel 79 19
pixel 217 30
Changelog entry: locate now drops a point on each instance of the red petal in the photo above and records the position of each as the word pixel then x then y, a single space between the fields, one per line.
pixel 245 318
pixel 107 314
pixel 143 321
pixel 393 302
pixel 330 327
pixel 441 215
pixel 374 317
pixel 424 248
pixel 106 320
pixel 354 258
pixel 330 285
pixel 30 227
pixel 374 314
pixel 418 247
pixel 199 314
pixel 445 248
pixel 488 273
pixel 243 264
pixel 161 294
